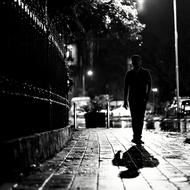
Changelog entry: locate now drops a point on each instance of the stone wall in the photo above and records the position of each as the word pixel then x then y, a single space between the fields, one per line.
pixel 18 156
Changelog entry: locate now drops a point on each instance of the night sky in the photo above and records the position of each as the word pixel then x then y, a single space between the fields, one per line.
pixel 158 41
pixel 158 17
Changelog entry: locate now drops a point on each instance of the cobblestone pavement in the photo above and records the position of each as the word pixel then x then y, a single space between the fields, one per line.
pixel 105 159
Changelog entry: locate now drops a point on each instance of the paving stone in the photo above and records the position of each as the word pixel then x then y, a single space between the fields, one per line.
pixel 163 185
pixel 152 174
pixel 84 183
pixel 106 183
pixel 137 183
pixel 183 185
pixel 102 159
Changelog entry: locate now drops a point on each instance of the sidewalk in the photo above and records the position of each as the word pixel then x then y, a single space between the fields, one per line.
pixel 93 161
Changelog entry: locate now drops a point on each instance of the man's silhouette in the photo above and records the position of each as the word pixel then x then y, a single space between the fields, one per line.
pixel 136 92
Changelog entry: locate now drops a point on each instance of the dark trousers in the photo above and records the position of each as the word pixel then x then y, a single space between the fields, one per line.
pixel 137 108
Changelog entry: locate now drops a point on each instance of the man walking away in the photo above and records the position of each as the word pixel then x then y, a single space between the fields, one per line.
pixel 136 91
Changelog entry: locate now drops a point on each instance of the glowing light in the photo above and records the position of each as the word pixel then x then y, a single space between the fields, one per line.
pixel 155 90
pixel 140 5
pixel 90 73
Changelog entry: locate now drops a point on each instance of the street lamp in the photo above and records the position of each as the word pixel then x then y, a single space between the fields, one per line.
pixel 155 91
pixel 140 7
pixel 176 53
pixel 88 73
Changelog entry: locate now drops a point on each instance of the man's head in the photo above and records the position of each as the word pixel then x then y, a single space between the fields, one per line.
pixel 136 61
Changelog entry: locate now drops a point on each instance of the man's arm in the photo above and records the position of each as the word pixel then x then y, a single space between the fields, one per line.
pixel 149 84
pixel 126 91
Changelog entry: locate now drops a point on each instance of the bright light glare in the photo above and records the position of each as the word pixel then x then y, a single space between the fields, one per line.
pixel 140 4
pixel 90 73
pixel 154 89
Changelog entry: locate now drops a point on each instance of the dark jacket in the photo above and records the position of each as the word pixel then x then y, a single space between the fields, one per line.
pixel 137 85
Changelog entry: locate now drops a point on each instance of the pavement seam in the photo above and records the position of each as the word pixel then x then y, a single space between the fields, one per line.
pixel 59 165
pixel 106 142
pixel 168 179
pixel 97 185
pixel 132 160
pixel 166 160
pixel 83 155
pixel 164 174
pixel 114 154
pixel 57 168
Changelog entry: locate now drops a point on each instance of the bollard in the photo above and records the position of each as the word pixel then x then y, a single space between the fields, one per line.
pixel 183 125
pixel 75 116
pixel 108 115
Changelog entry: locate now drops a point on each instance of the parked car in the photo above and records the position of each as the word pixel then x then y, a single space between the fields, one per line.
pixel 184 107
pixel 115 104
pixel 80 103
pixel 118 111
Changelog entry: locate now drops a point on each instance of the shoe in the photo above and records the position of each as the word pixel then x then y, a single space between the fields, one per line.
pixel 138 142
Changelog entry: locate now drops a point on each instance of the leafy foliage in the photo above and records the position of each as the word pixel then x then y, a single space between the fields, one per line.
pixel 75 19
pixel 97 103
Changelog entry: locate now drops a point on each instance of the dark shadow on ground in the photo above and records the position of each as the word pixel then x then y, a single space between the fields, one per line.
pixel 135 158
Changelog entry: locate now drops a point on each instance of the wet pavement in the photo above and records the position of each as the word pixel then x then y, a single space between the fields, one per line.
pixel 101 159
